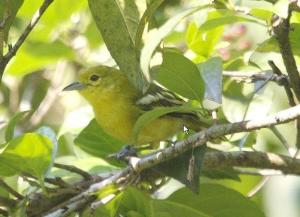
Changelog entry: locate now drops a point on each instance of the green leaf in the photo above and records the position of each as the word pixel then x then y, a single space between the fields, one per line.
pixel 137 203
pixel 177 69
pixel 212 72
pixel 216 200
pixel 8 12
pixel 157 35
pixel 203 42
pixel 29 153
pixel 117 21
pixel 9 133
pixel 149 116
pixel 95 141
pixel 37 55
pixel 51 135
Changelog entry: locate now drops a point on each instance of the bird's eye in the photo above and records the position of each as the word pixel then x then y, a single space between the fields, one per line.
pixel 94 77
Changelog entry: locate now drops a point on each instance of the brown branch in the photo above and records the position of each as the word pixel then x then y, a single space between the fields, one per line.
pixel 7 202
pixel 34 20
pixel 3 212
pixel 217 159
pixel 215 132
pixel 285 83
pixel 259 160
pixel 281 28
pixel 74 169
pixel 291 99
pixel 10 190
pixel 263 76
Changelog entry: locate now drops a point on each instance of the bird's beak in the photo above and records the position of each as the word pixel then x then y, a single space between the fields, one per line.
pixel 74 86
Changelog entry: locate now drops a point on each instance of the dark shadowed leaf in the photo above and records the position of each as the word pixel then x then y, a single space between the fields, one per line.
pixel 185 168
pixel 95 141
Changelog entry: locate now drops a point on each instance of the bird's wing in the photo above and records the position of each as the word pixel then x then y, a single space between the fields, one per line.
pixel 157 96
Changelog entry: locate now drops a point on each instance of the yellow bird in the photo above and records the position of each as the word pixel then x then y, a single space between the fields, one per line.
pixel 117 105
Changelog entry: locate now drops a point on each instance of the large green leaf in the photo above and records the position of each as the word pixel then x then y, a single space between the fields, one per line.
pixel 29 153
pixel 179 74
pixel 117 21
pixel 95 141
pixel 217 200
pixel 135 203
pixel 37 55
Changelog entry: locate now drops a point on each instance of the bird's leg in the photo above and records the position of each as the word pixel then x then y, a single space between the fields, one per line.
pixel 126 152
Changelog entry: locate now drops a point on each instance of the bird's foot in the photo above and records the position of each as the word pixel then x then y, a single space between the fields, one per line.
pixel 124 155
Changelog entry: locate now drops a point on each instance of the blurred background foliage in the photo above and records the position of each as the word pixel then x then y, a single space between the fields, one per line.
pixel 67 40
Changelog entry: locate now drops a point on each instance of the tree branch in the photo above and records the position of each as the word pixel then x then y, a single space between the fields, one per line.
pixel 281 80
pixel 10 190
pixel 281 28
pixel 214 159
pixel 12 52
pixel 215 132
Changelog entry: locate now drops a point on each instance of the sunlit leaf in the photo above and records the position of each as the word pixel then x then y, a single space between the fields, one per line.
pixel 216 200
pixel 203 42
pixel 30 153
pixel 35 55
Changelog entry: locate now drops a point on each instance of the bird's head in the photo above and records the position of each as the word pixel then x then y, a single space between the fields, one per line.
pixel 93 81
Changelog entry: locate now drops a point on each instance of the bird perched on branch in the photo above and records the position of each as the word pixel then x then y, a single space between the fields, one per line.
pixel 117 105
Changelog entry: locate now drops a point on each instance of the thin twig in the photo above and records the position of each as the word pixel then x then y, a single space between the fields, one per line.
pixel 253 77
pixel 7 202
pixel 74 169
pixel 12 52
pixel 255 172
pixel 10 190
pixel 281 138
pixel 3 212
pixel 285 82
pixel 258 187
pixel 51 95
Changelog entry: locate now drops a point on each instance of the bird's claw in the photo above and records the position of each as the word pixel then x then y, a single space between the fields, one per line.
pixel 124 155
